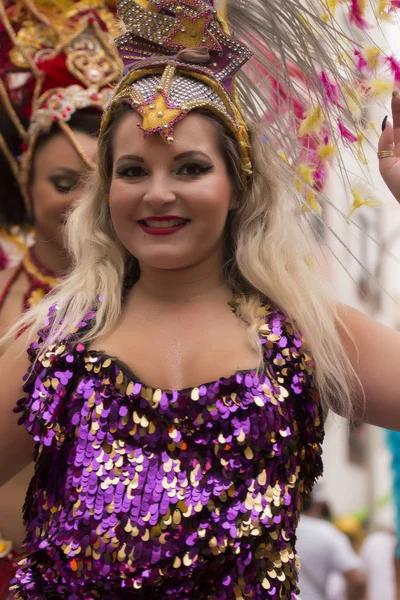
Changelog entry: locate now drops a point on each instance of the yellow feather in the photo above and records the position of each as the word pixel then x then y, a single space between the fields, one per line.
pixel 342 58
pixel 372 55
pixel 313 122
pixel 311 204
pixel 283 156
pixel 383 9
pixel 360 151
pixel 306 172
pixel 378 88
pixel 331 9
pixel 355 109
pixel 332 6
pixel 355 99
pixel 374 128
pixel 299 185
pixel 362 200
pixel 305 177
pixel 326 151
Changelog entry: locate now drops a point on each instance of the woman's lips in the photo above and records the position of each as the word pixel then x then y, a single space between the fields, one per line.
pixel 162 225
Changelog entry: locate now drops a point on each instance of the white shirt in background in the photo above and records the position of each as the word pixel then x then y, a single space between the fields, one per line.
pixel 377 555
pixel 323 551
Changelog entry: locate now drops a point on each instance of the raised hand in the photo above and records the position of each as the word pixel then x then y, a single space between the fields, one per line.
pixel 389 150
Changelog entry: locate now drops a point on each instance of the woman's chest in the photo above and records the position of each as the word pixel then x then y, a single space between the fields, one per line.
pixel 175 351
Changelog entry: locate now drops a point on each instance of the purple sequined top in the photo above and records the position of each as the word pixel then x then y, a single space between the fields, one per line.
pixel 142 493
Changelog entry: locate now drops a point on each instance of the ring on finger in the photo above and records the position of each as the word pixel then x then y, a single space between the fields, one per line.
pixel 385 154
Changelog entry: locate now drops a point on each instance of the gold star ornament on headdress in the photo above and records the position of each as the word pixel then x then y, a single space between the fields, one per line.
pixel 193 32
pixel 159 115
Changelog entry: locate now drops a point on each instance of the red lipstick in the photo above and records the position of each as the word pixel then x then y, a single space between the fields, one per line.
pixel 165 225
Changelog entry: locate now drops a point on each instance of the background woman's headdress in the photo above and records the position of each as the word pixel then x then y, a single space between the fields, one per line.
pixel 57 57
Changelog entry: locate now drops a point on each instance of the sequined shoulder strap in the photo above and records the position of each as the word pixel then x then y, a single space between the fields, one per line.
pixel 284 345
pixel 48 381
pixel 289 368
pixel 72 340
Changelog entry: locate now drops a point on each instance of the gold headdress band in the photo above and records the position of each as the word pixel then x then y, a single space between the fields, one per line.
pixel 164 85
pixel 63 54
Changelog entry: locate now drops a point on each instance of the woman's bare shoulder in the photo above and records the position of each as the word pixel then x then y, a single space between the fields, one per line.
pixel 373 349
pixel 15 444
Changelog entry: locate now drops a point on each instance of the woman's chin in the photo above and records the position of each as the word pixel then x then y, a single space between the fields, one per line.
pixel 164 262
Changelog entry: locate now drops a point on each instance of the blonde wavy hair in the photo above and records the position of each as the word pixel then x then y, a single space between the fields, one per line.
pixel 265 250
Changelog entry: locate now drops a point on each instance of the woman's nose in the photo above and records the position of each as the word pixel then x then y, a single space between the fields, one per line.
pixel 159 191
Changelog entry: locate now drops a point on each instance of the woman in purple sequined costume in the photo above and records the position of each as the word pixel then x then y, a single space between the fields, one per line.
pixel 170 394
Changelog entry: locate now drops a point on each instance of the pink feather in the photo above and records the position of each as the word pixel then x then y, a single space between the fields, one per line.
pixel 361 62
pixel 394 65
pixel 320 176
pixel 356 15
pixel 331 89
pixel 346 133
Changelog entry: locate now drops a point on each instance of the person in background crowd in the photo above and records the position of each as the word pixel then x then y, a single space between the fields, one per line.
pixel 324 552
pixel 49 121
pixel 377 555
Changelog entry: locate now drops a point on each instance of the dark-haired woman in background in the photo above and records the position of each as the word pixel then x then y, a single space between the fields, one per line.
pixel 48 143
pixel 56 173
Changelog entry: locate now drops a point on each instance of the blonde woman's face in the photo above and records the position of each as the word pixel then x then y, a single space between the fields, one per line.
pixel 56 183
pixel 169 202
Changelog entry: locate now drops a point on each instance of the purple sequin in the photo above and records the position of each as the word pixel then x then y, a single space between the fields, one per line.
pixel 141 493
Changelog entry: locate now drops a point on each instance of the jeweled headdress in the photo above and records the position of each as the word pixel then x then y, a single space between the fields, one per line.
pixel 180 57
pixel 57 57
pixel 307 79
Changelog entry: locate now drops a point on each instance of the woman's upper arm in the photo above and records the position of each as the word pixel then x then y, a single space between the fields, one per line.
pixel 374 352
pixel 16 445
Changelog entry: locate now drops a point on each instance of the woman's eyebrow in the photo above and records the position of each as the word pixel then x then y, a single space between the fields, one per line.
pixel 130 157
pixel 64 171
pixel 191 154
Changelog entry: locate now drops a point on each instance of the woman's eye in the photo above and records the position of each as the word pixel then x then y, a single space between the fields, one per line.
pixel 193 170
pixel 131 172
pixel 65 186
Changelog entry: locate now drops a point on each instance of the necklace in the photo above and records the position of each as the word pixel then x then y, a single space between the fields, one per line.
pixel 41 279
